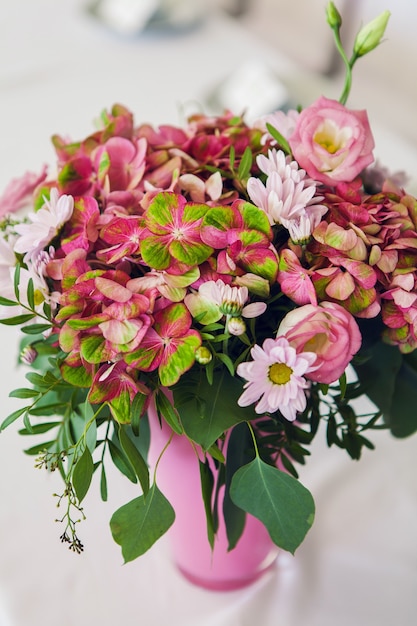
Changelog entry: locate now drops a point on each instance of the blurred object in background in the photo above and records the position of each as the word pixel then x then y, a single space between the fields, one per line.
pixel 129 17
pixel 253 89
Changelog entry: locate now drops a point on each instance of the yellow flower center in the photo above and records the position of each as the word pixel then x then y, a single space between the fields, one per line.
pixel 331 137
pixel 280 373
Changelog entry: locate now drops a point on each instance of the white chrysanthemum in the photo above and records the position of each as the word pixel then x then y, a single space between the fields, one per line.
pixel 230 300
pixel 43 225
pixel 276 378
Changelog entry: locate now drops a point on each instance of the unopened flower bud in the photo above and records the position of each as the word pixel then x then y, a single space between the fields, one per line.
pixel 28 355
pixel 236 326
pixel 334 19
pixel 203 355
pixel 371 34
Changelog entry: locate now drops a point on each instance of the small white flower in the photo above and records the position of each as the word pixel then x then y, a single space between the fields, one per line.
pixel 43 225
pixel 230 300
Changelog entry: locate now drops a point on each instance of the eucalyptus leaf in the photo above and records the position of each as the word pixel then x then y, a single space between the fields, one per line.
pixel 207 484
pixel 121 462
pixel 170 415
pixel 135 458
pixel 13 417
pixel 240 451
pixel 82 474
pixel 137 411
pixel 210 410
pixel 281 502
pixel 137 525
pixel 103 484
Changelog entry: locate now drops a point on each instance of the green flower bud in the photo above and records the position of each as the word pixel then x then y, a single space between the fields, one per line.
pixel 334 19
pixel 203 355
pixel 369 37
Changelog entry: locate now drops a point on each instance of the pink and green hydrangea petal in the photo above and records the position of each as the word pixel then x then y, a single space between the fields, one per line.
pixel 178 357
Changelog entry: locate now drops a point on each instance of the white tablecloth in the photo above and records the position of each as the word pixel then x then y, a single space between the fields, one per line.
pixel 358 564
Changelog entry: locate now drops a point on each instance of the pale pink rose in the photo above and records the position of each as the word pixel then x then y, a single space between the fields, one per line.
pixel 329 331
pixel 332 143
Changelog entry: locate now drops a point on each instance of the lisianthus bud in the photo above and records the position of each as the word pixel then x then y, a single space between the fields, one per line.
pixel 203 355
pixel 28 355
pixel 334 19
pixel 371 34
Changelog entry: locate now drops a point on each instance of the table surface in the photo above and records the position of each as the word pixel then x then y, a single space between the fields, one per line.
pixel 58 70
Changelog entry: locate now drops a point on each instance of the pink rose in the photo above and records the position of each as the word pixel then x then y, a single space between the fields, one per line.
pixel 332 143
pixel 329 331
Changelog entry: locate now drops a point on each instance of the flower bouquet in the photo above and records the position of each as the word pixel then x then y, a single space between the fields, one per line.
pixel 250 281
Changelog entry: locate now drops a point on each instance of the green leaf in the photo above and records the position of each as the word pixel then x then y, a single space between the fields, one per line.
pixel 47 409
pixel 35 329
pixel 83 426
pixel 19 319
pixel 39 428
pixel 103 484
pixel 16 281
pixel 38 448
pixel 207 484
pixel 135 458
pixel 390 380
pixel 240 451
pixel 7 302
pixel 245 164
pixel 207 411
pixel 121 462
pixel 343 385
pixel 13 417
pixel 137 411
pixel 283 504
pixel 227 361
pixel 82 474
pixel 27 423
pixel 137 525
pixel 280 139
pixel 31 294
pixel 23 393
pixel 164 406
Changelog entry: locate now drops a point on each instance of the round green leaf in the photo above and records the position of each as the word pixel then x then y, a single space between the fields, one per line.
pixel 281 502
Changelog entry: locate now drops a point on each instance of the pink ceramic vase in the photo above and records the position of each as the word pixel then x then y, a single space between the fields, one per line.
pixel 178 477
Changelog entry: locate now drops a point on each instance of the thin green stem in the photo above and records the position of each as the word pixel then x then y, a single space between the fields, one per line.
pixel 255 445
pixel 348 66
